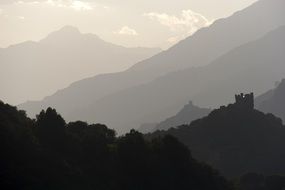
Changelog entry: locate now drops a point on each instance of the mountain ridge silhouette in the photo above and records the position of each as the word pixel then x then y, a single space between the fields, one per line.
pixel 37 69
pixel 146 90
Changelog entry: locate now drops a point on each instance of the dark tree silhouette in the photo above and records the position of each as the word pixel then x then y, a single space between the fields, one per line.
pixel 47 153
pixel 51 129
pixel 254 181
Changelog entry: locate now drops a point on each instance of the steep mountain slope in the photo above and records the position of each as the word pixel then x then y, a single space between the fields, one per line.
pixel 224 35
pixel 200 49
pixel 236 139
pixel 251 67
pixel 274 102
pixel 32 70
pixel 186 115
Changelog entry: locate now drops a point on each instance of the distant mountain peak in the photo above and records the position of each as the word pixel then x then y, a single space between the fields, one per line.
pixel 65 33
pixel 68 29
pixel 186 115
pixel 56 61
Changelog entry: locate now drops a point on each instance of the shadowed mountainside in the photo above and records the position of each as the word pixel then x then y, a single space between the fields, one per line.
pixel 47 153
pixel 236 139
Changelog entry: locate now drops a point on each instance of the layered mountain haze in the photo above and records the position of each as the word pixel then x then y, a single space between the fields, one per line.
pixel 251 67
pixel 223 35
pixel 186 115
pixel 207 68
pixel 206 113
pixel 273 101
pixel 38 68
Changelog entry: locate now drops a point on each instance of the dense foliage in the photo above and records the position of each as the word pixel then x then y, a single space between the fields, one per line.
pixel 47 153
pixel 254 181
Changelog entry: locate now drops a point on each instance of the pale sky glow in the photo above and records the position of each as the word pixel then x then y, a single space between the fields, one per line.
pixel 130 23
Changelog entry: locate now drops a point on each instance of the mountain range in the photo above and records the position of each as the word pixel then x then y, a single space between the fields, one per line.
pixel 34 70
pixel 241 53
pixel 251 67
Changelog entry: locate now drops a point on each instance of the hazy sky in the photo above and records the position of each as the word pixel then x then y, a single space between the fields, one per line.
pixel 149 23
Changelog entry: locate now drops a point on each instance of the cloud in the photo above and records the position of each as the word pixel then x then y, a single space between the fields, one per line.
pixel 76 5
pixel 125 30
pixel 21 17
pixel 173 39
pixel 40 1
pixel 184 25
pixel 188 20
pixel 73 4
pixel 17 1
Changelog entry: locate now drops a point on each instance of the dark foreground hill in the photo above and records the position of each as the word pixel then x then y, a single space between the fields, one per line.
pixel 236 139
pixel 47 153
